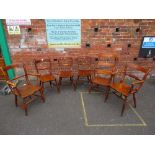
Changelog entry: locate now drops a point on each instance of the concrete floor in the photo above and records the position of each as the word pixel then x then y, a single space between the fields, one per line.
pixel 73 112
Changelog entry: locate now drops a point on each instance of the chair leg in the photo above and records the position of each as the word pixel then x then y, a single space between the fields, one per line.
pixel 124 106
pixel 57 85
pixel 90 87
pixel 42 84
pixel 16 102
pixel 50 83
pixel 88 78
pixel 25 107
pixel 107 94
pixel 60 79
pixel 76 83
pixel 73 84
pixel 71 79
pixel 42 94
pixel 26 112
pixel 134 99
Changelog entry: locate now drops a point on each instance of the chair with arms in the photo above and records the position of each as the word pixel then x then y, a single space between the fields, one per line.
pixel 44 69
pixel 130 86
pixel 26 90
pixel 104 71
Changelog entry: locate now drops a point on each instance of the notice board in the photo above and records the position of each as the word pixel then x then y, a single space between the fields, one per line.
pixel 18 22
pixel 63 33
pixel 147 48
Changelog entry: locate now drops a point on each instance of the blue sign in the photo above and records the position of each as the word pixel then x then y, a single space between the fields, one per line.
pixel 148 42
pixel 63 33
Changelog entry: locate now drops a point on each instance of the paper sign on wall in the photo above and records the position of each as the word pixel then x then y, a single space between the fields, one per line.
pixel 18 22
pixel 63 33
pixel 148 42
pixel 12 30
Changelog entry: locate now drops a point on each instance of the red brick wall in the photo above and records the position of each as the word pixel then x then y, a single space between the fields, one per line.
pixel 30 45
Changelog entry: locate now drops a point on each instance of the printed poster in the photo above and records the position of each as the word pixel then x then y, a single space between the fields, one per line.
pixel 13 30
pixel 13 22
pixel 63 33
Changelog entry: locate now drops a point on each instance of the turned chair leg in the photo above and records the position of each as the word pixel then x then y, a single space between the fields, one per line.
pixel 25 107
pixel 42 94
pixel 16 102
pixel 124 106
pixel 71 79
pixel 42 84
pixel 88 78
pixel 26 112
pixel 57 85
pixel 90 87
pixel 50 83
pixel 60 79
pixel 73 84
pixel 107 94
pixel 76 83
pixel 134 99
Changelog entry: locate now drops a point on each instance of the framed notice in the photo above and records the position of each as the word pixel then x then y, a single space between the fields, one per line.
pixel 63 33
pixel 147 48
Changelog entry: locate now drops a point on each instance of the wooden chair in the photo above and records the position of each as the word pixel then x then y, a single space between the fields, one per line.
pixel 84 68
pixel 27 90
pixel 66 69
pixel 104 71
pixel 44 69
pixel 126 87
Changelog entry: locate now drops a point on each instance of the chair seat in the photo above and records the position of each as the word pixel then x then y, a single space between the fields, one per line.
pixel 84 72
pixel 65 74
pixel 121 88
pixel 27 90
pixel 101 81
pixel 46 78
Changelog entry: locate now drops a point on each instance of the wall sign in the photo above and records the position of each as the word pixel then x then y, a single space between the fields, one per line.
pixel 13 30
pixel 148 42
pixel 147 48
pixel 63 33
pixel 18 22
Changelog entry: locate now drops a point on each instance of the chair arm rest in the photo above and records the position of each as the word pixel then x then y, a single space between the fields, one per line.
pixel 17 77
pixel 137 82
pixel 13 85
pixel 135 86
pixel 37 75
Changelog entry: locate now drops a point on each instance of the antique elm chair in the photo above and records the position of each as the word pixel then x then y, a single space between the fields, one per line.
pixel 104 71
pixel 44 69
pixel 84 68
pixel 132 79
pixel 66 69
pixel 27 90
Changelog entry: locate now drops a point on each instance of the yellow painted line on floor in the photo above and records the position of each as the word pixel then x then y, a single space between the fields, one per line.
pixel 110 125
pixel 84 111
pixel 113 125
pixel 138 115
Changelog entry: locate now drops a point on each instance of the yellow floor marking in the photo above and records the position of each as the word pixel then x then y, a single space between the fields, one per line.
pixel 84 111
pixel 109 125
pixel 138 115
pixel 113 125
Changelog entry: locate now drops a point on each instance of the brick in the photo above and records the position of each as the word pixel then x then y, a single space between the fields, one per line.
pixel 29 45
